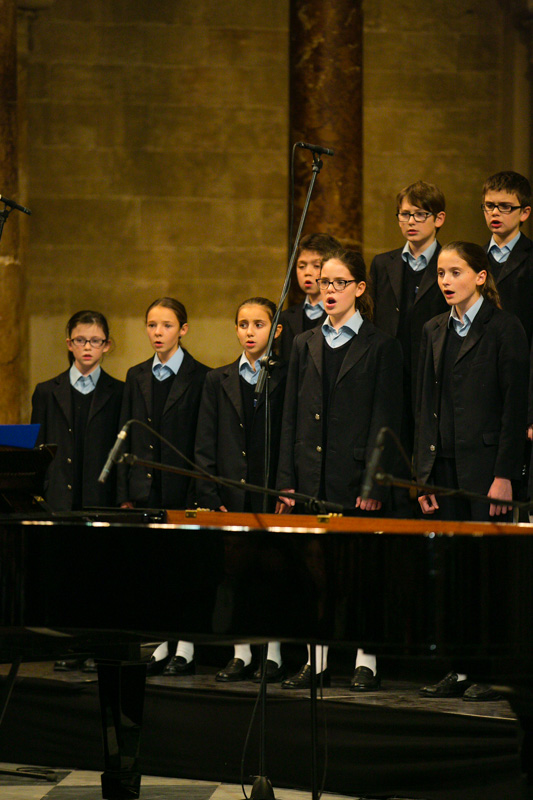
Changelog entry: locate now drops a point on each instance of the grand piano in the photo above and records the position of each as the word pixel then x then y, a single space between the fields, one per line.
pixel 103 584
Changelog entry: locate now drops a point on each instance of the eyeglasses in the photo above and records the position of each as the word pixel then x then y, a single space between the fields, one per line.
pixel 338 284
pixel 79 341
pixel 503 208
pixel 418 216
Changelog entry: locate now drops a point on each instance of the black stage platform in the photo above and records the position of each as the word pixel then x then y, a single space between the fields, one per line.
pixel 391 743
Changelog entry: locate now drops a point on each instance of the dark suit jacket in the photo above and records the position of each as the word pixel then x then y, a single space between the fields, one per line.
pixel 292 320
pixel 52 409
pixel 490 377
pixel 178 426
pixel 221 446
pixel 366 397
pixel 386 273
pixel 515 283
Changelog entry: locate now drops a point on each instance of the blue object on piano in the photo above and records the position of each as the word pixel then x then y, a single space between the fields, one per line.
pixel 23 436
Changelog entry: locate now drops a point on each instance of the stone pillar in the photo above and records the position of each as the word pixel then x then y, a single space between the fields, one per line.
pixel 11 278
pixel 326 109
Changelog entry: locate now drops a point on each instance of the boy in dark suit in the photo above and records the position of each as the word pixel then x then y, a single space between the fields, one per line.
pixel 406 294
pixel 310 312
pixel 507 205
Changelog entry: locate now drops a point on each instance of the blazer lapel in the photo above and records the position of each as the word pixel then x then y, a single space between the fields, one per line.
pixel 476 331
pixel 232 387
pixel 144 380
pixel 63 398
pixel 438 337
pixel 181 381
pixel 429 277
pixel 517 255
pixel 358 347
pixel 315 345
pixel 101 394
pixel 395 273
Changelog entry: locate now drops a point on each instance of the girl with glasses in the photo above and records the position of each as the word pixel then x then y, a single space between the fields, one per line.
pixel 78 411
pixel 344 384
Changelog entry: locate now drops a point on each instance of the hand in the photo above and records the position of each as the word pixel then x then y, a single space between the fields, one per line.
pixel 503 490
pixel 368 505
pixel 223 508
pixel 127 504
pixel 530 433
pixel 285 504
pixel 428 503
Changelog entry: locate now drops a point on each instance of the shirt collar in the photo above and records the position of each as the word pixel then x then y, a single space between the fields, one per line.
pixel 468 316
pixel 352 325
pixel 246 370
pixel 506 248
pixel 75 375
pixel 173 363
pixel 313 311
pixel 420 262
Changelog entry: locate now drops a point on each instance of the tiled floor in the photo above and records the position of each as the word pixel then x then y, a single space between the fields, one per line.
pixel 80 785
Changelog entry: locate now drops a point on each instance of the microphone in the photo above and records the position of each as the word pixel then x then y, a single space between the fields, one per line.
pixel 114 454
pixel 316 148
pixel 373 465
pixel 12 204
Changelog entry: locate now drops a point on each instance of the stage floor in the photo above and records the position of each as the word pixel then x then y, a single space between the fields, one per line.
pixel 389 743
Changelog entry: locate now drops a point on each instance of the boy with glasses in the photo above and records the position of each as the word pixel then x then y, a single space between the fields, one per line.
pixel 405 290
pixel 506 206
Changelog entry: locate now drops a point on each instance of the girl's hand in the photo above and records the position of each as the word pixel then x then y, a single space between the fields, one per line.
pixel 223 508
pixel 368 505
pixel 530 433
pixel 127 504
pixel 285 504
pixel 503 490
pixel 428 503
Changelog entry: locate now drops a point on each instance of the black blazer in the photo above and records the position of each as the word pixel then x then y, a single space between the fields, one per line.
pixel 221 437
pixel 178 426
pixel 367 396
pixel 515 283
pixel 490 387
pixel 386 274
pixel 52 409
pixel 292 320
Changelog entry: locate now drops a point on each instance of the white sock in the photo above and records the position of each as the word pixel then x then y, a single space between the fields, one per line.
pixel 274 652
pixel 321 655
pixel 186 651
pixel 244 652
pixel 161 652
pixel 366 660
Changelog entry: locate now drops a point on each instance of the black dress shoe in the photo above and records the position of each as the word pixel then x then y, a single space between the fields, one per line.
pixel 157 667
pixel 449 686
pixel 235 670
pixel 180 666
pixel 302 679
pixel 481 692
pixel 89 665
pixel 67 665
pixel 364 680
pixel 274 674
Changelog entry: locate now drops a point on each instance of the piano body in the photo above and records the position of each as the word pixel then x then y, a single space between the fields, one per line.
pixel 460 590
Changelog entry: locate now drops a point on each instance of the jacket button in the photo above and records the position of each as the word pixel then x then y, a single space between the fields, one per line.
pixel 148 474
pixel 70 430
pixel 243 480
pixel 317 416
pixel 432 448
pixel 244 453
pixel 318 449
pixel 241 425
pixel 69 461
pixel 148 419
pixel 151 447
pixel 69 486
pixel 435 414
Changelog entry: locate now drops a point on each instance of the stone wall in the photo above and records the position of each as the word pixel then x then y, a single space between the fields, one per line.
pixel 158 151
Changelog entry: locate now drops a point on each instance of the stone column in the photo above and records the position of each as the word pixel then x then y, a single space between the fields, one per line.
pixel 11 278
pixel 326 109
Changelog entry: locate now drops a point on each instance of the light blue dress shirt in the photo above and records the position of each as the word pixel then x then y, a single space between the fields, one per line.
pixel 420 263
pixel 164 371
pixel 463 327
pixel 84 383
pixel 345 333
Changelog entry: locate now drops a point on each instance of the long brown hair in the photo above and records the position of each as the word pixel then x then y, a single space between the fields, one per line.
pixel 477 259
pixel 174 305
pixel 354 263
